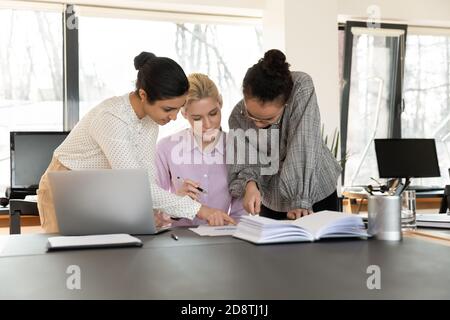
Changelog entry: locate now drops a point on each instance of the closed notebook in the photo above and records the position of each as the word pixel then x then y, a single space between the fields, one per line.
pixel 94 241
pixel 433 220
pixel 320 225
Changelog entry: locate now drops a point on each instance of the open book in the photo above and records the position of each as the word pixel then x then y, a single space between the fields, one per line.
pixel 323 224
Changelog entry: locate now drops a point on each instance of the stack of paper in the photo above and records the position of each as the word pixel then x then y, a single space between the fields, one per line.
pixel 438 220
pixel 214 231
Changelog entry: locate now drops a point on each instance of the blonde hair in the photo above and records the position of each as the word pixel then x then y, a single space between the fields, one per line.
pixel 200 87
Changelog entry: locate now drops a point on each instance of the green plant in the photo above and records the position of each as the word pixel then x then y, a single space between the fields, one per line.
pixel 334 147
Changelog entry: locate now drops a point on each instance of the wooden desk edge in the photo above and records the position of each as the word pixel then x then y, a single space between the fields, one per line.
pixel 424 235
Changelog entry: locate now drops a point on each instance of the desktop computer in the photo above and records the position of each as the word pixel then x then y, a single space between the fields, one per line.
pixel 31 153
pixel 407 158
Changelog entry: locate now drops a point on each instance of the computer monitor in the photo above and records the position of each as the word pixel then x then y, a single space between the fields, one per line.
pixel 31 153
pixel 407 158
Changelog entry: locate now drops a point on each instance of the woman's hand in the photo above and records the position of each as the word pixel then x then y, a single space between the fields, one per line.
pixel 161 219
pixel 214 217
pixel 252 198
pixel 189 188
pixel 298 213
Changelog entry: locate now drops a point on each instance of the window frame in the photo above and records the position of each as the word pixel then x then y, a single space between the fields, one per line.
pixel 396 105
pixel 71 97
pixel 70 54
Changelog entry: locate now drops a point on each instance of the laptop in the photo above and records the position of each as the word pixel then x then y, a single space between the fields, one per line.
pixel 89 202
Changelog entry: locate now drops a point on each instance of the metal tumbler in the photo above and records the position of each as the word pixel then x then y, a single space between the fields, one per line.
pixel 385 217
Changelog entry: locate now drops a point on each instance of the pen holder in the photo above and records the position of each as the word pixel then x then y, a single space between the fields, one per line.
pixel 385 217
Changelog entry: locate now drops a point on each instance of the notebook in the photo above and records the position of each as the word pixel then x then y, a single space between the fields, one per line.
pixel 320 225
pixel 93 241
pixel 438 220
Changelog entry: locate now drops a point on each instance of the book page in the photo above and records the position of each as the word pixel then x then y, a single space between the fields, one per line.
pixel 264 230
pixel 331 222
pixel 315 221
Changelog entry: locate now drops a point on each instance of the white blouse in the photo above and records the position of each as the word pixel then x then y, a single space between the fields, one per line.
pixel 111 136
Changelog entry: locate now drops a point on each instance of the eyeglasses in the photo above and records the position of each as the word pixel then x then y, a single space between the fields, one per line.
pixel 274 121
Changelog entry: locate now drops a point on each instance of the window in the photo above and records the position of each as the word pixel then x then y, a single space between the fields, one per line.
pixel 426 101
pixel 108 46
pixel 371 94
pixel 427 96
pixel 31 86
pixel 104 44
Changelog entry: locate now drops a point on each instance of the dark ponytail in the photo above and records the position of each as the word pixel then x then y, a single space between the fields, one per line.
pixel 269 79
pixel 161 78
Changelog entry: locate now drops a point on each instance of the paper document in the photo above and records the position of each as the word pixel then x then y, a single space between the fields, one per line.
pixel 214 231
pixel 94 241
pixel 31 198
pixel 3 242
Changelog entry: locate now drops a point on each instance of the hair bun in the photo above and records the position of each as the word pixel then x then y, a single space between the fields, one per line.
pixel 141 59
pixel 274 63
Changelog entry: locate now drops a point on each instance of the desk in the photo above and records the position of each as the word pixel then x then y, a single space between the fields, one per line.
pixel 25 219
pixel 226 268
pixel 425 199
pixel 4 210
pixel 360 194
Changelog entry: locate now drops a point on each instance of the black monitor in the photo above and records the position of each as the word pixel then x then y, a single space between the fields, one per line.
pixel 407 158
pixel 31 153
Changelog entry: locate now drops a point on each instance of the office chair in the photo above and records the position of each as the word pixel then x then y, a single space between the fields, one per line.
pixel 16 209
pixel 445 203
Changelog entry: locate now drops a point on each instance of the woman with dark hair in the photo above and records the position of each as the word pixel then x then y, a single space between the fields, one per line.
pixel 284 104
pixel 121 133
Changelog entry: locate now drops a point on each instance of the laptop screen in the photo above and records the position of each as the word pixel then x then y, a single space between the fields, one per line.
pixel 407 158
pixel 31 153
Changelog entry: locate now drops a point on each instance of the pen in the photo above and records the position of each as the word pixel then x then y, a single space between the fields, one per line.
pixel 198 188
pixel 174 236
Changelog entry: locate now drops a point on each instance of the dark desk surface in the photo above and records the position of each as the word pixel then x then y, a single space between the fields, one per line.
pixel 226 268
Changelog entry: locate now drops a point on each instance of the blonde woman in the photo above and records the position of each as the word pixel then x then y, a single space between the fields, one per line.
pixel 192 161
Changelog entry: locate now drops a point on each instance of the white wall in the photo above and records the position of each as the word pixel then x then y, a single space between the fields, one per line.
pixel 421 12
pixel 306 30
pixel 312 46
pixel 250 8
pixel 274 26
